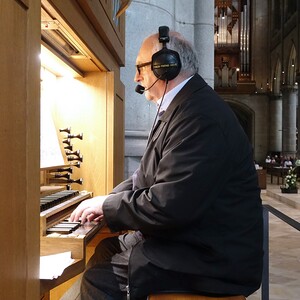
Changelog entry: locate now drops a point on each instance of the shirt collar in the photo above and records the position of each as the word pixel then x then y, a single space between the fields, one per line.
pixel 169 96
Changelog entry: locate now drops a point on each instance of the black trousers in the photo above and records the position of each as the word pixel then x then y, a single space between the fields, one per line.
pixel 106 276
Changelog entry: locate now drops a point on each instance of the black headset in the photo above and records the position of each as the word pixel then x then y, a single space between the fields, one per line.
pixel 165 63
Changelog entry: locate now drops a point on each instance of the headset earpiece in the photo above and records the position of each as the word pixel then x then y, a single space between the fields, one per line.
pixel 166 63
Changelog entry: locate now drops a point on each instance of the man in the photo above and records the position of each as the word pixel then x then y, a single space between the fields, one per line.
pixel 193 207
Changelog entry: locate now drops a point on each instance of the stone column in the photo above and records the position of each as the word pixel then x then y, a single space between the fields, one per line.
pixel 275 123
pixel 298 108
pixel 204 38
pixel 289 119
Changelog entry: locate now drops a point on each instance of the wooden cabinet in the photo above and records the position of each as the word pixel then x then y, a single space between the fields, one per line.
pixel 19 138
pixel 102 43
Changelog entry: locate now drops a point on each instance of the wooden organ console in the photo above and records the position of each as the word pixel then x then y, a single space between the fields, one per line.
pixel 80 162
pixel 91 103
pixel 88 37
pixel 57 234
pixel 61 190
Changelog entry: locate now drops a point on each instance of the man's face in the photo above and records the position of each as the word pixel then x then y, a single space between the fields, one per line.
pixel 144 75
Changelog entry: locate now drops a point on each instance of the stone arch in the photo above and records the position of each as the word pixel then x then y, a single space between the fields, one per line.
pixel 246 117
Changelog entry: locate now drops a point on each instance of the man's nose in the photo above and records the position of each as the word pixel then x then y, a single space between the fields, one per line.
pixel 137 76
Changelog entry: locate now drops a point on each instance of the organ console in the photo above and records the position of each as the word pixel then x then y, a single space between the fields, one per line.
pixel 57 234
pixel 100 118
pixel 57 201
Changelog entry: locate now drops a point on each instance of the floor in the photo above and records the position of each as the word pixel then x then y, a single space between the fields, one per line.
pixel 284 246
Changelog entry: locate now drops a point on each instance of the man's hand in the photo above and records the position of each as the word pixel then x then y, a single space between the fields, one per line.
pixel 89 210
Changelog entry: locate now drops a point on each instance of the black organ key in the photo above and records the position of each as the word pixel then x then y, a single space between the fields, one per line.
pixel 64 227
pixel 49 201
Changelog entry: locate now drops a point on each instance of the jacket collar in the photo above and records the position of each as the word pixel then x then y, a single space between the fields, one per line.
pixel 194 84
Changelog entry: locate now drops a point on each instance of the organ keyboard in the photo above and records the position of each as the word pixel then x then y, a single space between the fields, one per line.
pixel 58 235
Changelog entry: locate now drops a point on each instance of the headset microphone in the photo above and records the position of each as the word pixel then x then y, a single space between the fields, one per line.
pixel 141 89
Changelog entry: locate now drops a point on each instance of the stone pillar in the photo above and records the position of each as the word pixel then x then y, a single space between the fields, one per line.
pixel 260 62
pixel 289 119
pixel 275 125
pixel 298 108
pixel 204 38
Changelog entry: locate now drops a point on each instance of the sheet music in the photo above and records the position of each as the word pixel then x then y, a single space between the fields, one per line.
pixel 52 266
pixel 50 152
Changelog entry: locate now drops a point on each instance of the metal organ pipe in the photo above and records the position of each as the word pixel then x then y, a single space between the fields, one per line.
pixel 248 38
pixel 245 40
pixel 242 43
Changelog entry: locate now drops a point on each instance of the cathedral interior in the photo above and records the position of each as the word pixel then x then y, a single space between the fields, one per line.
pixel 249 53
pixel 237 72
pixel 86 127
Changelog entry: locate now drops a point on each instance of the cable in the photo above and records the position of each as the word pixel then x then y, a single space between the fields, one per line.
pixel 162 99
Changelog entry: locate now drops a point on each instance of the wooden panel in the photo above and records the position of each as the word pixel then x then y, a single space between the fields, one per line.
pixel 115 133
pixel 24 3
pixel 54 245
pixel 90 106
pixel 100 48
pixel 100 15
pixel 82 105
pixel 119 141
pixel 19 139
